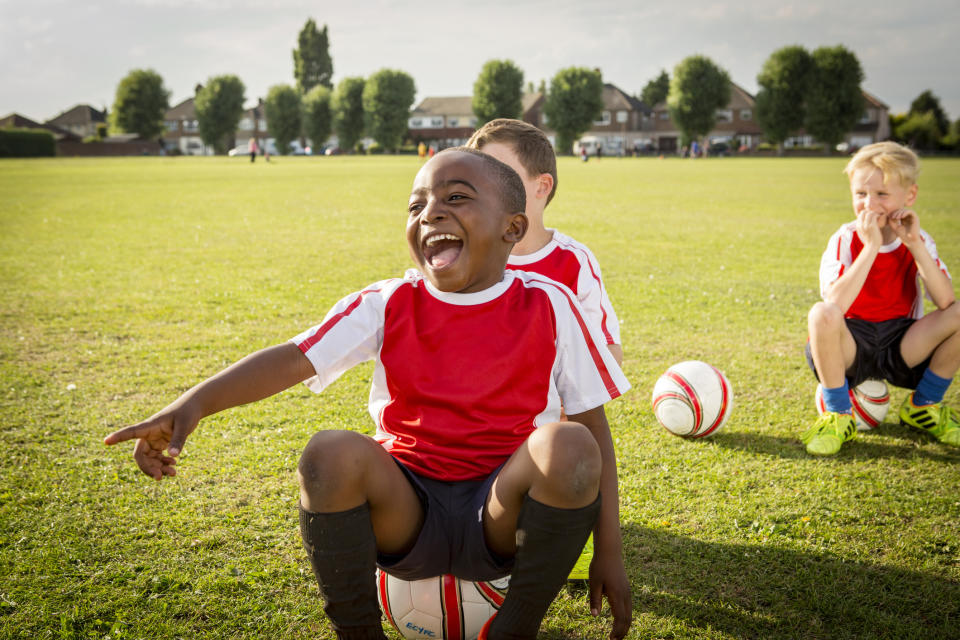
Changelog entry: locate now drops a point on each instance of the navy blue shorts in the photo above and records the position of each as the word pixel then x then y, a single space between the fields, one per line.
pixel 451 540
pixel 878 353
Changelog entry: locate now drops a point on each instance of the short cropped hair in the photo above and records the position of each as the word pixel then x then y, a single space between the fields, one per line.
pixel 513 196
pixel 532 147
pixel 892 159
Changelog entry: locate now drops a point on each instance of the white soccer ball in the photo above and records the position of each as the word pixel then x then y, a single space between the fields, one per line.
pixel 692 399
pixel 870 401
pixel 444 607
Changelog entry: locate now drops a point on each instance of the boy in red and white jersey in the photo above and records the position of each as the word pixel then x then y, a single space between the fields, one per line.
pixel 471 470
pixel 547 251
pixel 871 322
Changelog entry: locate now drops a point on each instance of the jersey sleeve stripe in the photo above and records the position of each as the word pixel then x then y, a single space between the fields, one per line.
pixel 602 370
pixel 333 320
pixel 593 274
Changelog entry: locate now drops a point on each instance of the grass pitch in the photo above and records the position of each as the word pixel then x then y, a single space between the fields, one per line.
pixel 127 281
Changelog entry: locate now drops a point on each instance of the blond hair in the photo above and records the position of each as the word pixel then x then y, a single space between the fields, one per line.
pixel 531 145
pixel 892 159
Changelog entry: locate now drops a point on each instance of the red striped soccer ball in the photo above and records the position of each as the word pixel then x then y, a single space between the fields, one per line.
pixel 442 607
pixel 870 401
pixel 692 399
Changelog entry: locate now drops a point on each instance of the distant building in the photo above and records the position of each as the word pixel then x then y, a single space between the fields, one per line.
pixel 17 121
pixel 736 125
pixel 445 122
pixel 81 120
pixel 873 126
pixel 182 129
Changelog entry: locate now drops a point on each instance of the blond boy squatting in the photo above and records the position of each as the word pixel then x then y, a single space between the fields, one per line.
pixel 471 470
pixel 870 323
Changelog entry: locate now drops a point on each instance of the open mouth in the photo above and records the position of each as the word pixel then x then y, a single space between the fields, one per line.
pixel 441 249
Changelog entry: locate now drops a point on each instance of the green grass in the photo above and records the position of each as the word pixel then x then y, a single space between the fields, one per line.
pixel 127 281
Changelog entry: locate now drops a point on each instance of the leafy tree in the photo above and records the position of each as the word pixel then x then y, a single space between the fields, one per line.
pixel 574 102
pixel 783 88
pixel 697 89
pixel 282 108
pixel 387 98
pixel 219 106
pixel 655 91
pixel 347 107
pixel 952 139
pixel 834 99
pixel 919 130
pixel 498 91
pixel 317 116
pixel 927 101
pixel 140 104
pixel 312 64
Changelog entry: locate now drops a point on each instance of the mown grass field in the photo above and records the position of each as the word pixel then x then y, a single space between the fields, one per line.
pixel 127 281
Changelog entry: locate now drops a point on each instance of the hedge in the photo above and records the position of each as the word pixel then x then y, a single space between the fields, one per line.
pixel 26 143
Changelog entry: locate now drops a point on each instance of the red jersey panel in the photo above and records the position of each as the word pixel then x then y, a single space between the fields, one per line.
pixel 893 286
pixel 461 380
pixel 571 263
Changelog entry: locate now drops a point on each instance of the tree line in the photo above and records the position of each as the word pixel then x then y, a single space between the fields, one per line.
pixel 817 92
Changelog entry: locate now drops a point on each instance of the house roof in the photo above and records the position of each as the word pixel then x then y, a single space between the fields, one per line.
pixel 183 110
pixel 81 114
pixel 17 121
pixel 740 97
pixel 873 100
pixel 445 106
pixel 615 98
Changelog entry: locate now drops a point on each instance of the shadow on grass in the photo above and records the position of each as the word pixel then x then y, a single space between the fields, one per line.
pixel 750 591
pixel 866 446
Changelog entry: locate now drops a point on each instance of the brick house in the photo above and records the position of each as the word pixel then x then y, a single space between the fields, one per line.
pixel 182 129
pixel 736 124
pixel 624 126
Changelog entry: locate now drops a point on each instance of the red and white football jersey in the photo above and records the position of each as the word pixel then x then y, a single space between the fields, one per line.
pixel 893 287
pixel 461 380
pixel 570 262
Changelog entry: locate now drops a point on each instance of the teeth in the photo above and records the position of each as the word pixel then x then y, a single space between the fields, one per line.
pixel 432 240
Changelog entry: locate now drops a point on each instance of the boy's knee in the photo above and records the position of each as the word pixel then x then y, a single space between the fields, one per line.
pixel 332 457
pixel 824 315
pixel 568 457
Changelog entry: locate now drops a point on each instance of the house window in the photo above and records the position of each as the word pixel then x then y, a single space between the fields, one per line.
pixel 473 122
pixel 621 116
pixel 246 124
pixel 190 125
pixel 263 124
pixel 865 118
pixel 664 115
pixel 724 115
pixel 416 123
pixel 746 114
pixel 171 125
pixel 453 122
pixel 436 122
pixel 604 119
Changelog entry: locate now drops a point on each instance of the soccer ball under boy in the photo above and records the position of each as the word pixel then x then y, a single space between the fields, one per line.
pixel 443 607
pixel 870 401
pixel 692 399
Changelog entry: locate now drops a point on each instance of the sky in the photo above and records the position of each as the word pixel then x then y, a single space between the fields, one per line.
pixel 57 54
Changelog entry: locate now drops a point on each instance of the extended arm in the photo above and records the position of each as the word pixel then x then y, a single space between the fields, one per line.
pixel 607 573
pixel 253 378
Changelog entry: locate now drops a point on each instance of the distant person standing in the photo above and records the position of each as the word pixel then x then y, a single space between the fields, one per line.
pixel 421 150
pixel 599 150
pixel 252 149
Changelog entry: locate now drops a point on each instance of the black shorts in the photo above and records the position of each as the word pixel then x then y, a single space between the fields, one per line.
pixel 451 540
pixel 878 353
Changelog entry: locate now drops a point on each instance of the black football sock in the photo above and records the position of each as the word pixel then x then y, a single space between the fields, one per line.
pixel 343 554
pixel 549 541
